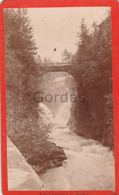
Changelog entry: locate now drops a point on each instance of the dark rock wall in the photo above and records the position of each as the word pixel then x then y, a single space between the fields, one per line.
pixel 92 114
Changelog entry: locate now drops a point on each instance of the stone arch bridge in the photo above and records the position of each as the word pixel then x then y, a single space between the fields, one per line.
pixel 71 68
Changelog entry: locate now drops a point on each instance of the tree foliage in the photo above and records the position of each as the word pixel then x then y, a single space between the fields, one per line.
pixel 21 36
pixel 66 56
pixel 83 52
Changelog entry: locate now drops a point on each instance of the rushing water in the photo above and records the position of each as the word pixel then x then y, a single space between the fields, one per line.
pixel 89 165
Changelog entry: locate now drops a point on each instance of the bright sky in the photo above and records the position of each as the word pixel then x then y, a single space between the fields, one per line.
pixel 58 27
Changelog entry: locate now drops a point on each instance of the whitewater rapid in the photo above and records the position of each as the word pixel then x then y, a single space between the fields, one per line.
pixel 89 165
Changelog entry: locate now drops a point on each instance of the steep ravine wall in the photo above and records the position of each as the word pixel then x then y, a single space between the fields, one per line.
pixel 91 116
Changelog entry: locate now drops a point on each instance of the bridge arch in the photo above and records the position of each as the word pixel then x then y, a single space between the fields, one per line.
pixel 60 67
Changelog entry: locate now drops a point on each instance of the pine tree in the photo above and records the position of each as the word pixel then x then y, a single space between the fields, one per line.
pixel 22 39
pixel 66 56
pixel 94 42
pixel 83 53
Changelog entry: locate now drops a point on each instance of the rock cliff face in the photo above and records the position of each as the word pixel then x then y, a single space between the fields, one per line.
pixel 21 176
pixel 92 114
pixel 53 157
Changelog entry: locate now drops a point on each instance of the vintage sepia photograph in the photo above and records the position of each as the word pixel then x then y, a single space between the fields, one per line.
pixel 59 99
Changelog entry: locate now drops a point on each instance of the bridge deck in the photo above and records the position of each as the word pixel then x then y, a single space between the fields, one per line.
pixel 56 68
pixel 65 67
